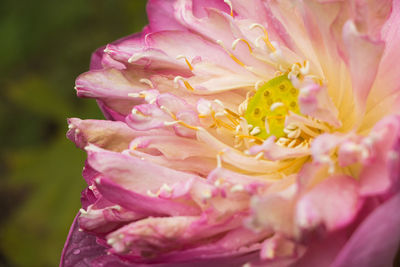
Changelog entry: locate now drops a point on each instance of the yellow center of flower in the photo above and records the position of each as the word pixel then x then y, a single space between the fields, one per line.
pixel 267 109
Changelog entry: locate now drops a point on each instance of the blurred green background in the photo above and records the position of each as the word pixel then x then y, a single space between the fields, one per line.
pixel 44 46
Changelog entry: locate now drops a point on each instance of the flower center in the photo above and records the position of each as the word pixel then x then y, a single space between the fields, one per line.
pixel 268 108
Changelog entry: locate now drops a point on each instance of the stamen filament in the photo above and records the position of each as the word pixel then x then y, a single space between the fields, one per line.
pixel 232 113
pixel 234 44
pixel 185 82
pixel 229 3
pixel 177 121
pixel 265 38
pixel 250 137
pixel 230 54
pixel 186 60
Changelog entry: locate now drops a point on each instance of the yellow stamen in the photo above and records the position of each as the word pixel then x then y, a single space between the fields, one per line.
pixel 230 6
pixel 219 159
pixel 268 43
pixel 188 126
pixel 265 38
pixel 230 54
pixel 234 114
pixel 135 95
pixel 250 137
pixel 234 44
pixel 188 63
pixel 220 123
pixel 147 81
pixel 179 121
pixel 236 60
pixel 186 83
pixel 186 60
pixel 188 86
pixel 235 122
pixel 225 125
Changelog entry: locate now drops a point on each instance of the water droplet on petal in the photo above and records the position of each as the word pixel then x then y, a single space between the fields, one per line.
pixel 76 251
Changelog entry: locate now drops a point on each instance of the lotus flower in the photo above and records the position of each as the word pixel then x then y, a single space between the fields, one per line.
pixel 258 132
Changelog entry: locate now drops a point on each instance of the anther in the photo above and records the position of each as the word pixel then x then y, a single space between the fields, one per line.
pixel 219 160
pixel 169 123
pixel 237 188
pixel 259 155
pixel 151 194
pixel 306 68
pixel 291 126
pixel 276 105
pixel 218 102
pixel 147 81
pixel 282 140
pixel 294 134
pixel 135 57
pixel 292 143
pixel 256 130
pixel 136 95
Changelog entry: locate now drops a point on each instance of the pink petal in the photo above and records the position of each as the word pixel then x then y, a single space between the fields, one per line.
pixel 218 26
pixel 323 145
pixel 172 147
pixel 108 83
pixel 375 242
pixel 200 7
pixel 97 56
pixel 110 114
pixel 333 202
pixel 279 217
pixel 199 165
pixel 115 54
pixel 109 135
pixel 160 15
pixel 147 117
pixel 235 248
pixel 277 247
pixel 371 15
pixel 235 157
pixel 380 174
pixel 320 20
pixel 161 235
pixel 112 87
pixel 189 117
pixel 80 248
pixel 133 173
pixel 259 12
pixel 385 94
pixel 322 252
pixel 236 178
pixel 315 101
pixel 272 151
pixel 173 103
pixel 105 220
pixel 363 57
pixel 142 203
pixel 175 43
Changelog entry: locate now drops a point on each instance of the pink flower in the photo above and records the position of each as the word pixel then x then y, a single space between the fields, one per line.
pixel 244 131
